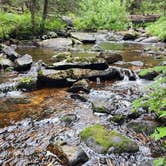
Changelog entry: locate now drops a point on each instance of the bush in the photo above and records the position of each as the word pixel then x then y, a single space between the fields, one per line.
pixel 15 25
pixel 158 28
pixel 104 14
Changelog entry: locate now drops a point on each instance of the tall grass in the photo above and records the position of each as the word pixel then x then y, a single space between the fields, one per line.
pixel 103 14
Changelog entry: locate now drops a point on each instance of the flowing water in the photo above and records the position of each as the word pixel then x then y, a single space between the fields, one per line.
pixel 29 120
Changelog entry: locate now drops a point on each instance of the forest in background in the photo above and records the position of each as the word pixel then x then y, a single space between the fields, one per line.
pixel 28 18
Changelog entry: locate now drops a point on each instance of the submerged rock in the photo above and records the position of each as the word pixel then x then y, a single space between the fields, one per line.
pixel 107 141
pixel 111 57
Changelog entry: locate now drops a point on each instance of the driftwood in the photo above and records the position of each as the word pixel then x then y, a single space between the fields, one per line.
pixel 144 18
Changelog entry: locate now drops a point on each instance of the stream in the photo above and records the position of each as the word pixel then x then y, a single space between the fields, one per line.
pixel 29 120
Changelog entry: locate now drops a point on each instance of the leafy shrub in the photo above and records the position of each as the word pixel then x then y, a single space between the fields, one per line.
pixel 158 28
pixel 104 14
pixel 15 25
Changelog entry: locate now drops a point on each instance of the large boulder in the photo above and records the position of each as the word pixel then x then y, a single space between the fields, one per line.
pixel 55 78
pixel 107 141
pixel 10 52
pixel 24 62
pixel 82 63
pixel 84 37
pixel 57 43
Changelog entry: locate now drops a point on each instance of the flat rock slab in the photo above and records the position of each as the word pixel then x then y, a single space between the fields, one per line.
pixel 84 37
pixel 57 43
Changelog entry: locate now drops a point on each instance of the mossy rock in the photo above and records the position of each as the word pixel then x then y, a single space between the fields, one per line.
pixel 117 119
pixel 102 141
pixel 151 73
pixel 27 83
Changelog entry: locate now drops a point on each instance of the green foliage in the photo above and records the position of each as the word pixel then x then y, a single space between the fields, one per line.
pixel 159 133
pixel 15 25
pixel 158 28
pixel 158 69
pixel 104 14
pixel 160 162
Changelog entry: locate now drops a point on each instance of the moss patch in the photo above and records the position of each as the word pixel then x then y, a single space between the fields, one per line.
pixel 107 139
pixel 157 69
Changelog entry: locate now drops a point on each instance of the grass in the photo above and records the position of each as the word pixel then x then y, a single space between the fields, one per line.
pixel 158 28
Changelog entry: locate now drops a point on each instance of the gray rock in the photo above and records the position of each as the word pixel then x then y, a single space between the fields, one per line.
pixel 5 63
pixel 84 37
pixel 136 63
pixel 67 20
pixel 10 52
pixel 57 43
pixel 69 155
pixel 105 141
pixel 81 85
pixel 68 119
pixel 144 124
pixel 24 62
pixel 153 39
pixel 110 57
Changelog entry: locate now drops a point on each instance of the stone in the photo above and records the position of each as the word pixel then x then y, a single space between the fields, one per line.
pixel 144 124
pixel 130 36
pixel 51 35
pixel 5 63
pixel 82 63
pixel 10 52
pixel 110 57
pixel 105 141
pixel 24 62
pixel 69 155
pixel 68 119
pixel 57 43
pixel 81 85
pixel 68 21
pixel 153 39
pixel 61 56
pixel 55 78
pixel 84 37
pixel 136 63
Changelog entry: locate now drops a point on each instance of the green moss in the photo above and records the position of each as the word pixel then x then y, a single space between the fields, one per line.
pixel 117 118
pixel 158 69
pixel 107 139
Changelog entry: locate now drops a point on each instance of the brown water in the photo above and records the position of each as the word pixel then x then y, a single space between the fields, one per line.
pixel 26 127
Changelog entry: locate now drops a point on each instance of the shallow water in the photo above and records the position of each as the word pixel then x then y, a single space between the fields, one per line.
pixel 27 125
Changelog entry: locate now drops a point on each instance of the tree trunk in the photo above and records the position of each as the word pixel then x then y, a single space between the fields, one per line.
pixel 44 16
pixel 32 9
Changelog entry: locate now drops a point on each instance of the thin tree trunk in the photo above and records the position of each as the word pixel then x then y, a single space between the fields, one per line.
pixel 44 16
pixel 32 9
